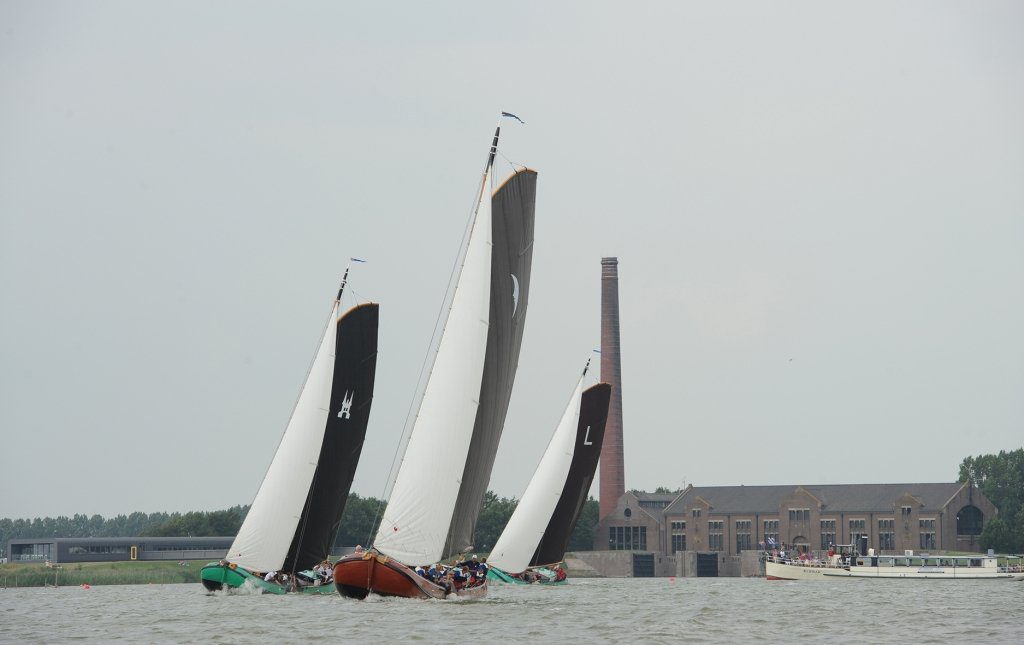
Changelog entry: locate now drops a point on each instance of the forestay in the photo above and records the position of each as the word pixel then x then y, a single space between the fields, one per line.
pixel 267 532
pixel 415 523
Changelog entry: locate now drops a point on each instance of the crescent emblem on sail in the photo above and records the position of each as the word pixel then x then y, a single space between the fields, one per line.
pixel 346 405
pixel 515 294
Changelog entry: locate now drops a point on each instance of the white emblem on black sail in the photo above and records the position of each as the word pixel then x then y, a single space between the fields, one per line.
pixel 346 405
pixel 515 294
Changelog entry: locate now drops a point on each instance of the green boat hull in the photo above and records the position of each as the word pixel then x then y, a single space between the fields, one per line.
pixel 497 575
pixel 217 576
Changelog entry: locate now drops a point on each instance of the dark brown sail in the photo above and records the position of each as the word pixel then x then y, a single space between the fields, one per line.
pixel 512 216
pixel 355 366
pixel 586 453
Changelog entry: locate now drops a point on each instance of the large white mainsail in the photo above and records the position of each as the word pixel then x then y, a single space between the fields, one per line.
pixel 267 532
pixel 525 529
pixel 414 526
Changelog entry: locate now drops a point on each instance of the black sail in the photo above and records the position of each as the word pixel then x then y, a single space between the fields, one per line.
pixel 355 365
pixel 586 453
pixel 512 212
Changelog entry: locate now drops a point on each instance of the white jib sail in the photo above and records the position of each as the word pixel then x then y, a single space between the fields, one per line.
pixel 414 527
pixel 267 532
pixel 525 529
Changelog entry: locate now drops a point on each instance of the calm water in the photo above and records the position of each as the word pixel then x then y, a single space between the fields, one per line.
pixel 601 610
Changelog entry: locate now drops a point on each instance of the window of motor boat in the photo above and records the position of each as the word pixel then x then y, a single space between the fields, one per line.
pixel 886 562
pixel 902 562
pixel 975 562
pixel 915 562
pixel 931 562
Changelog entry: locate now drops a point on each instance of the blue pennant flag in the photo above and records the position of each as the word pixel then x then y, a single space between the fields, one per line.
pixel 357 260
pixel 512 116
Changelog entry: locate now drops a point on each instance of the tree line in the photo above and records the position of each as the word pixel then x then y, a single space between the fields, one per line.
pixel 1001 478
pixel 358 524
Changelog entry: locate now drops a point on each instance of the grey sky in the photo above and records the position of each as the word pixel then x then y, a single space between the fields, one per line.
pixel 818 210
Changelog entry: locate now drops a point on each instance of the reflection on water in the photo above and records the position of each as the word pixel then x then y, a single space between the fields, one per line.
pixel 601 610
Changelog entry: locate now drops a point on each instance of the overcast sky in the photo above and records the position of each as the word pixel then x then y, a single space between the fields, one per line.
pixel 818 210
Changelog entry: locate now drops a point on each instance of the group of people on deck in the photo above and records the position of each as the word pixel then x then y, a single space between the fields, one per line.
pixel 322 574
pixel 460 575
pixel 531 576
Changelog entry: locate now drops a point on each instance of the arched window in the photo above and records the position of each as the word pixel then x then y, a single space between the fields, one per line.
pixel 969 520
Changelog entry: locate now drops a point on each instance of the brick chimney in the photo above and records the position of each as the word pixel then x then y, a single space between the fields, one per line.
pixel 613 477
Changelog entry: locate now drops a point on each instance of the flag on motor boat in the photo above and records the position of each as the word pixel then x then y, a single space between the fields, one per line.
pixel 512 116
pixel 771 541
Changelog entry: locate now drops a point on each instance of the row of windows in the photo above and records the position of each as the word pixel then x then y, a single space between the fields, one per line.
pixel 627 538
pixel 799 514
pixel 858 528
pixel 92 550
pixel 905 511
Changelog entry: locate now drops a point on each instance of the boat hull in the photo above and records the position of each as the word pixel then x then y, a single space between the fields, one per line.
pixel 788 571
pixel 357 576
pixel 792 571
pixel 497 575
pixel 927 573
pixel 218 577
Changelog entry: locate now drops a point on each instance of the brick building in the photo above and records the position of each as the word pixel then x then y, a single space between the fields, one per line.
pixel 732 519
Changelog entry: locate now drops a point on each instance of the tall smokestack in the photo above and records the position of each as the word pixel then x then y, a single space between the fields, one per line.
pixel 613 476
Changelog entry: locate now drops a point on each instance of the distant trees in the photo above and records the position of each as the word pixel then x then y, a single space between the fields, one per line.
pixel 360 520
pixel 358 524
pixel 1001 478
pixel 493 518
pixel 194 523
pixel 582 538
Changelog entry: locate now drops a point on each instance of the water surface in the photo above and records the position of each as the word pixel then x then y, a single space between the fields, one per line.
pixel 598 610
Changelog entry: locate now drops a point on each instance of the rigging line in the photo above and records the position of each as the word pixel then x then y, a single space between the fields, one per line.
pixel 309 370
pixel 358 298
pixel 445 305
pixel 515 166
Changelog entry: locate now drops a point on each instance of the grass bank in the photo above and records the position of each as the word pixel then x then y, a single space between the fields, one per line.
pixel 99 573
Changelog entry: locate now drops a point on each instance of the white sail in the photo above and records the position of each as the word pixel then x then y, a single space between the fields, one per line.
pixel 414 527
pixel 525 529
pixel 267 532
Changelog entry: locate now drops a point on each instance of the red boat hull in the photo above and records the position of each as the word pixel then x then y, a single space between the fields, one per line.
pixel 357 576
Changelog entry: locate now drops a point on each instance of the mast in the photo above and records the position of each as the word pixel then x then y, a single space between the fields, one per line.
pixel 414 525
